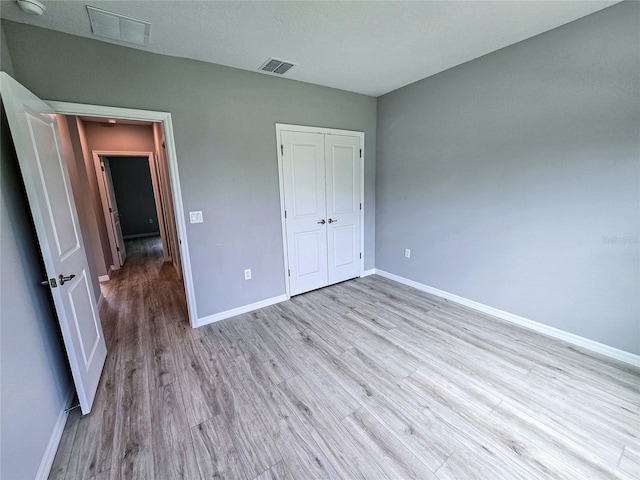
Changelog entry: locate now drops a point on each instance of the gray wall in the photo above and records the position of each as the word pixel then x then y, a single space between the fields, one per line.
pixel 224 124
pixel 514 179
pixel 33 368
pixel 134 195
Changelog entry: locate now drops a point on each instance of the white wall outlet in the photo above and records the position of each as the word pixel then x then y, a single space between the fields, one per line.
pixel 195 217
pixel 247 274
pixel 407 253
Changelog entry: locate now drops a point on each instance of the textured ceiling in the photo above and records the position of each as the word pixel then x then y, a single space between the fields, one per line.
pixel 365 47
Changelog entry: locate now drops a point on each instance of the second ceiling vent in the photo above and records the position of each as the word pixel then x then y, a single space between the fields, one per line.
pixel 279 67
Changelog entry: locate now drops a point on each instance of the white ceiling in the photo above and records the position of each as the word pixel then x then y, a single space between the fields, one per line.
pixel 364 46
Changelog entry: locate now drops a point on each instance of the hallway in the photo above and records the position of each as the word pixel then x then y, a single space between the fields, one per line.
pixel 143 314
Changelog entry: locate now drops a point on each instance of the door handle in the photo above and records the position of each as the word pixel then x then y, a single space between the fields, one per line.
pixel 322 222
pixel 62 278
pixel 331 220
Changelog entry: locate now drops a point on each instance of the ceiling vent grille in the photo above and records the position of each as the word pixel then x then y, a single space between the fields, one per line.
pixel 119 27
pixel 279 67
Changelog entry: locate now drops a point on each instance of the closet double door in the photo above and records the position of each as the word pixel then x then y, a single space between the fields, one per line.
pixel 321 180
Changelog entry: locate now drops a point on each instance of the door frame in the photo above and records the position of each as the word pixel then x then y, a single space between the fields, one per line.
pixel 69 108
pixel 280 127
pixel 150 156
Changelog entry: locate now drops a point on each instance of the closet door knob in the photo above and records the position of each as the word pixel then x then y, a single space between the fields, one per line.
pixel 331 220
pixel 322 222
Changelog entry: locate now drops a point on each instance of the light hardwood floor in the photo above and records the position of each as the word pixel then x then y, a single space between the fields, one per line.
pixel 368 379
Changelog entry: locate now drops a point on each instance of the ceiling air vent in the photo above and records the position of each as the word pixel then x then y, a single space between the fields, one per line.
pixel 279 67
pixel 119 27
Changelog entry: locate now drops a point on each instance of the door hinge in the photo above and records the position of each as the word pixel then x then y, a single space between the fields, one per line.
pixel 102 167
pixel 281 149
pixel 51 283
pixel 67 410
pixel 360 153
pixel 117 249
pixel 360 256
pixel 285 214
pixel 110 210
pixel 289 272
pixel 361 206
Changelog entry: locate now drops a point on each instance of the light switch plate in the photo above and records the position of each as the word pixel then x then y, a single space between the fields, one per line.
pixel 195 217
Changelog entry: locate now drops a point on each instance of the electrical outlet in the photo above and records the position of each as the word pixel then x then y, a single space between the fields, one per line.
pixel 407 253
pixel 151 220
pixel 247 274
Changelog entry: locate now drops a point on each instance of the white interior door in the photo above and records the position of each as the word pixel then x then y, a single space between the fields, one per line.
pixel 305 210
pixel 342 160
pixel 35 134
pixel 113 213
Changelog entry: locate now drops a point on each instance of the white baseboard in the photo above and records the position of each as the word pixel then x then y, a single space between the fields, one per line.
pixel 177 269
pixel 107 277
pixel 366 273
pixel 574 339
pixel 239 310
pixel 54 440
pixel 100 302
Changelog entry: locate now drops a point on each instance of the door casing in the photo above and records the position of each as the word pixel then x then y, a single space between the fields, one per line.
pixel 103 179
pixel 280 127
pixel 67 108
pixel 150 156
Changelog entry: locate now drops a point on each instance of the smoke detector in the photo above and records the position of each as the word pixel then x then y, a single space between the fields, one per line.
pixel 279 67
pixel 118 27
pixel 33 7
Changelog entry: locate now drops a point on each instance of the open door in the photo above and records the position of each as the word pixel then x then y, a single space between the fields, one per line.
pixel 35 134
pixel 112 214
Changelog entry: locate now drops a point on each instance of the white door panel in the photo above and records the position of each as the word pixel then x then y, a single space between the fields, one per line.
pixel 87 336
pixel 49 164
pixel 342 181
pixel 35 135
pixel 343 246
pixel 304 198
pixel 309 265
pixel 308 249
pixel 307 180
pixel 342 154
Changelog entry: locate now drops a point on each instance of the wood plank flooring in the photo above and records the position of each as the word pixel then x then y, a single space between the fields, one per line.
pixel 368 379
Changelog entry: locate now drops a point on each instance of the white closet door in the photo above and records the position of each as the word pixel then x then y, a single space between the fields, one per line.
pixel 342 159
pixel 305 210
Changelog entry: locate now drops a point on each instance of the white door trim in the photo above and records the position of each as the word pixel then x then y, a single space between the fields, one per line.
pixel 150 156
pixel 96 154
pixel 280 127
pixel 67 108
